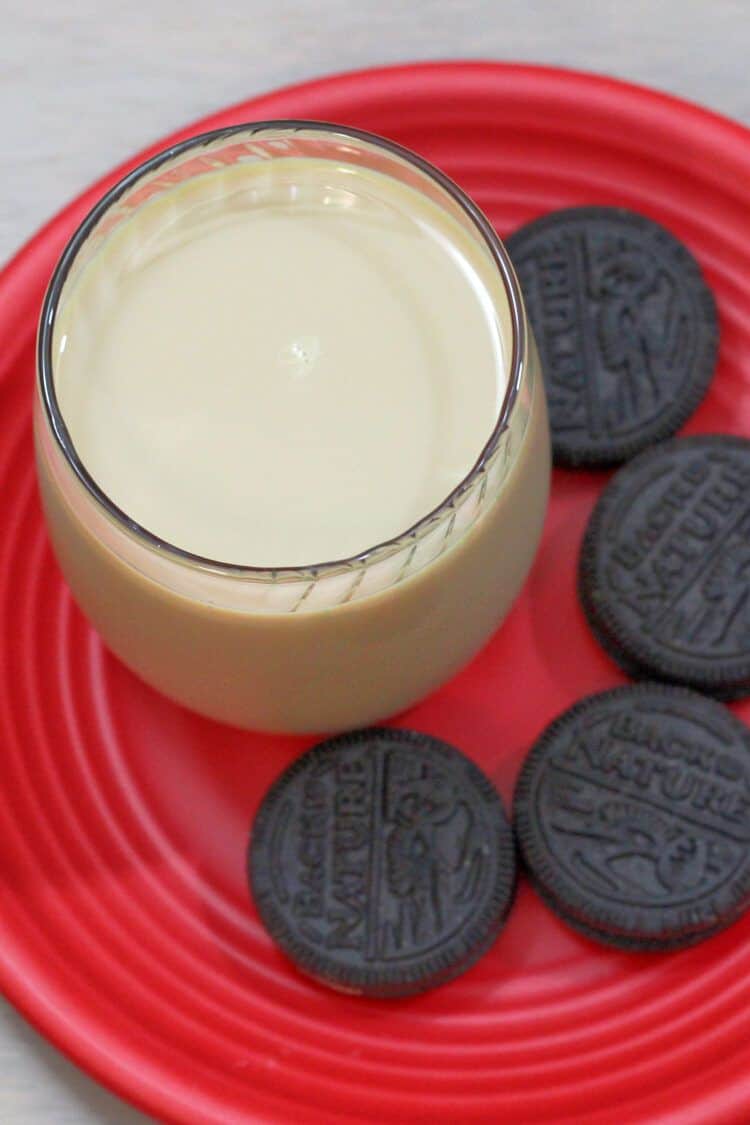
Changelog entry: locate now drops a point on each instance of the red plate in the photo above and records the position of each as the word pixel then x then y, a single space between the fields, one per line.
pixel 126 931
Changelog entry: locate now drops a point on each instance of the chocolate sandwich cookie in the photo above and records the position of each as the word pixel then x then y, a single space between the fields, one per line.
pixel 664 574
pixel 382 862
pixel 633 816
pixel 626 328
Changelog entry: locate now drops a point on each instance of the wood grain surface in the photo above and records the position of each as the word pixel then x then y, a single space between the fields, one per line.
pixel 85 83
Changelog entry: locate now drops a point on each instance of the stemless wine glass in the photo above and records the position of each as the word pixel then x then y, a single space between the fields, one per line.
pixel 304 648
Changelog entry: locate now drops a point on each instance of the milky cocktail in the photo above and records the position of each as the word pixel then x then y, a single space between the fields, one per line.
pixel 291 434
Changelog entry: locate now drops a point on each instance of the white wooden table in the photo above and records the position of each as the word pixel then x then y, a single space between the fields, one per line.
pixel 86 82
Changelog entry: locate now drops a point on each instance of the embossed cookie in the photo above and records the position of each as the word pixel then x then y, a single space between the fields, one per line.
pixel 664 575
pixel 382 862
pixel 633 816
pixel 626 328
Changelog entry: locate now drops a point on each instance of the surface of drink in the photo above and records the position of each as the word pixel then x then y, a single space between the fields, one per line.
pixel 273 365
pixel 282 365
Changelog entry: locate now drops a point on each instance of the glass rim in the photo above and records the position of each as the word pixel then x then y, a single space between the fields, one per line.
pixel 131 527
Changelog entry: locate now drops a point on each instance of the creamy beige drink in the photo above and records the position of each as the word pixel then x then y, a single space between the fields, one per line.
pixel 290 349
